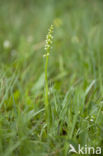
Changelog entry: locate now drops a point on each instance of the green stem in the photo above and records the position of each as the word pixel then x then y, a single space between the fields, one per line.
pixel 46 92
pixel 46 83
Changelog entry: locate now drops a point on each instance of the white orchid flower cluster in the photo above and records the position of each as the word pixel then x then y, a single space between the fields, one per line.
pixel 49 40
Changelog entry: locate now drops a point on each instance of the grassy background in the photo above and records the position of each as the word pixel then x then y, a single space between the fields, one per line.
pixel 75 75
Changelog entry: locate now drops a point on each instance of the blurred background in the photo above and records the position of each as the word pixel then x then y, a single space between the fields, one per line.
pixel 76 60
pixel 77 47
pixel 24 25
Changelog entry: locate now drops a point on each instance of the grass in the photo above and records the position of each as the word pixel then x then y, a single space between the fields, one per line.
pixel 74 82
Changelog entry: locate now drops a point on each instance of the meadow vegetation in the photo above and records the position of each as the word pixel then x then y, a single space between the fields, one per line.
pixel 38 117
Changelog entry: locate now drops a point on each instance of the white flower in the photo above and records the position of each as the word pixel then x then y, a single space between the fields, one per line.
pixel 7 44
pixel 91 120
pixel 46 55
pixel 49 39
